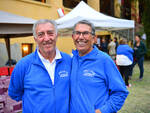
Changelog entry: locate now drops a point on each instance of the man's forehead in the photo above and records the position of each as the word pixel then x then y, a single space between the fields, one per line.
pixel 82 27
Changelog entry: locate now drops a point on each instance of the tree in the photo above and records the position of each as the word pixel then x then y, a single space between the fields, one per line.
pixel 144 14
pixel 146 23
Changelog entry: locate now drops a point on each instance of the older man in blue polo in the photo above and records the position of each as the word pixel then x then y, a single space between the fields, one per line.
pixel 41 79
pixel 96 84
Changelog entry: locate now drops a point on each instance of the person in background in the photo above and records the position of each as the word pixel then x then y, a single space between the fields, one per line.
pixel 112 49
pixel 96 43
pixel 124 59
pixel 11 62
pixel 96 84
pixel 116 42
pixel 139 52
pixel 41 79
pixel 104 45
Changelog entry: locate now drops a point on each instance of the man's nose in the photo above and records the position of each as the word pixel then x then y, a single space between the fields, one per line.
pixel 81 36
pixel 46 37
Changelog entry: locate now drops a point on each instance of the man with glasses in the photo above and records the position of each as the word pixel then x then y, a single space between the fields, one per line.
pixel 96 84
pixel 41 79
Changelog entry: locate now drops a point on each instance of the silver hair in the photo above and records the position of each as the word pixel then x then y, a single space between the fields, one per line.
pixel 43 21
pixel 87 23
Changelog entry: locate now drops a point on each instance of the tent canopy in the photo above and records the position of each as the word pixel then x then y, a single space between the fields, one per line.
pixel 15 26
pixel 12 26
pixel 102 22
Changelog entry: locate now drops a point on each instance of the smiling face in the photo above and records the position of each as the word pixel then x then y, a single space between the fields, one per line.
pixel 83 39
pixel 46 38
pixel 137 39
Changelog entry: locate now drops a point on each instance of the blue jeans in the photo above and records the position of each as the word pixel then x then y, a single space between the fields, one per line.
pixel 141 67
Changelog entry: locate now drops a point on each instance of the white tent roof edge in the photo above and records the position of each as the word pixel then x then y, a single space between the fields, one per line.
pixel 9 18
pixel 84 12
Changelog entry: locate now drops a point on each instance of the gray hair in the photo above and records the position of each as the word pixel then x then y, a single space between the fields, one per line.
pixel 43 21
pixel 87 23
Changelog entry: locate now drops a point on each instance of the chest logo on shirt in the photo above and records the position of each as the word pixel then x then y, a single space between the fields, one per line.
pixel 89 73
pixel 63 74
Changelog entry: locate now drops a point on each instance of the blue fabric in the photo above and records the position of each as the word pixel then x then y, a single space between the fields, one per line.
pixel 126 50
pixel 96 84
pixel 31 83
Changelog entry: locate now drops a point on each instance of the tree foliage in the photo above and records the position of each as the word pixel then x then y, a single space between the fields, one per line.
pixel 146 23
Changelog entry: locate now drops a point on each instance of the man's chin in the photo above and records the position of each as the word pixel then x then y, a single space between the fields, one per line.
pixel 49 50
pixel 81 46
pixel 81 49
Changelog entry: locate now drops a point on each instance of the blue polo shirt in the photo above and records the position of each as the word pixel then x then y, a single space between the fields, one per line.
pixel 96 84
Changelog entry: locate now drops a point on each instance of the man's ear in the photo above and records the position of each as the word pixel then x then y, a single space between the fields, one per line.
pixel 34 38
pixel 95 39
pixel 57 34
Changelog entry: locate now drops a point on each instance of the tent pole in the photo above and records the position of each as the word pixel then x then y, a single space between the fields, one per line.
pixel 133 36
pixel 128 35
pixel 7 41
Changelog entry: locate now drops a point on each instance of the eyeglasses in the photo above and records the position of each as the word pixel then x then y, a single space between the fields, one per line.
pixel 85 33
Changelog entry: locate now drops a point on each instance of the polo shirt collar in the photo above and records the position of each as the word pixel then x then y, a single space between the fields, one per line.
pixel 57 56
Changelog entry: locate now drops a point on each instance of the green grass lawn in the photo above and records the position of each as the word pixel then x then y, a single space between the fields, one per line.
pixel 138 100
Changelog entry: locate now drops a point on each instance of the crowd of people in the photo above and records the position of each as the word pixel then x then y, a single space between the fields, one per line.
pixel 125 56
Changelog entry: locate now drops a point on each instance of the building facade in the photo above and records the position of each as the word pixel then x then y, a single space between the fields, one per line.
pixel 47 9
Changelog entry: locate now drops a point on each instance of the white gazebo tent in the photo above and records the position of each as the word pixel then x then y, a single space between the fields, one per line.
pixel 12 26
pixel 102 22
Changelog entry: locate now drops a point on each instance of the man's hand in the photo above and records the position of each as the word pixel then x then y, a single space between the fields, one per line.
pixel 97 111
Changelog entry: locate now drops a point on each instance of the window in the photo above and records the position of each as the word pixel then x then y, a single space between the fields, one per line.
pixel 72 3
pixel 126 9
pixel 141 10
pixel 44 1
pixel 107 7
pixel 26 49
